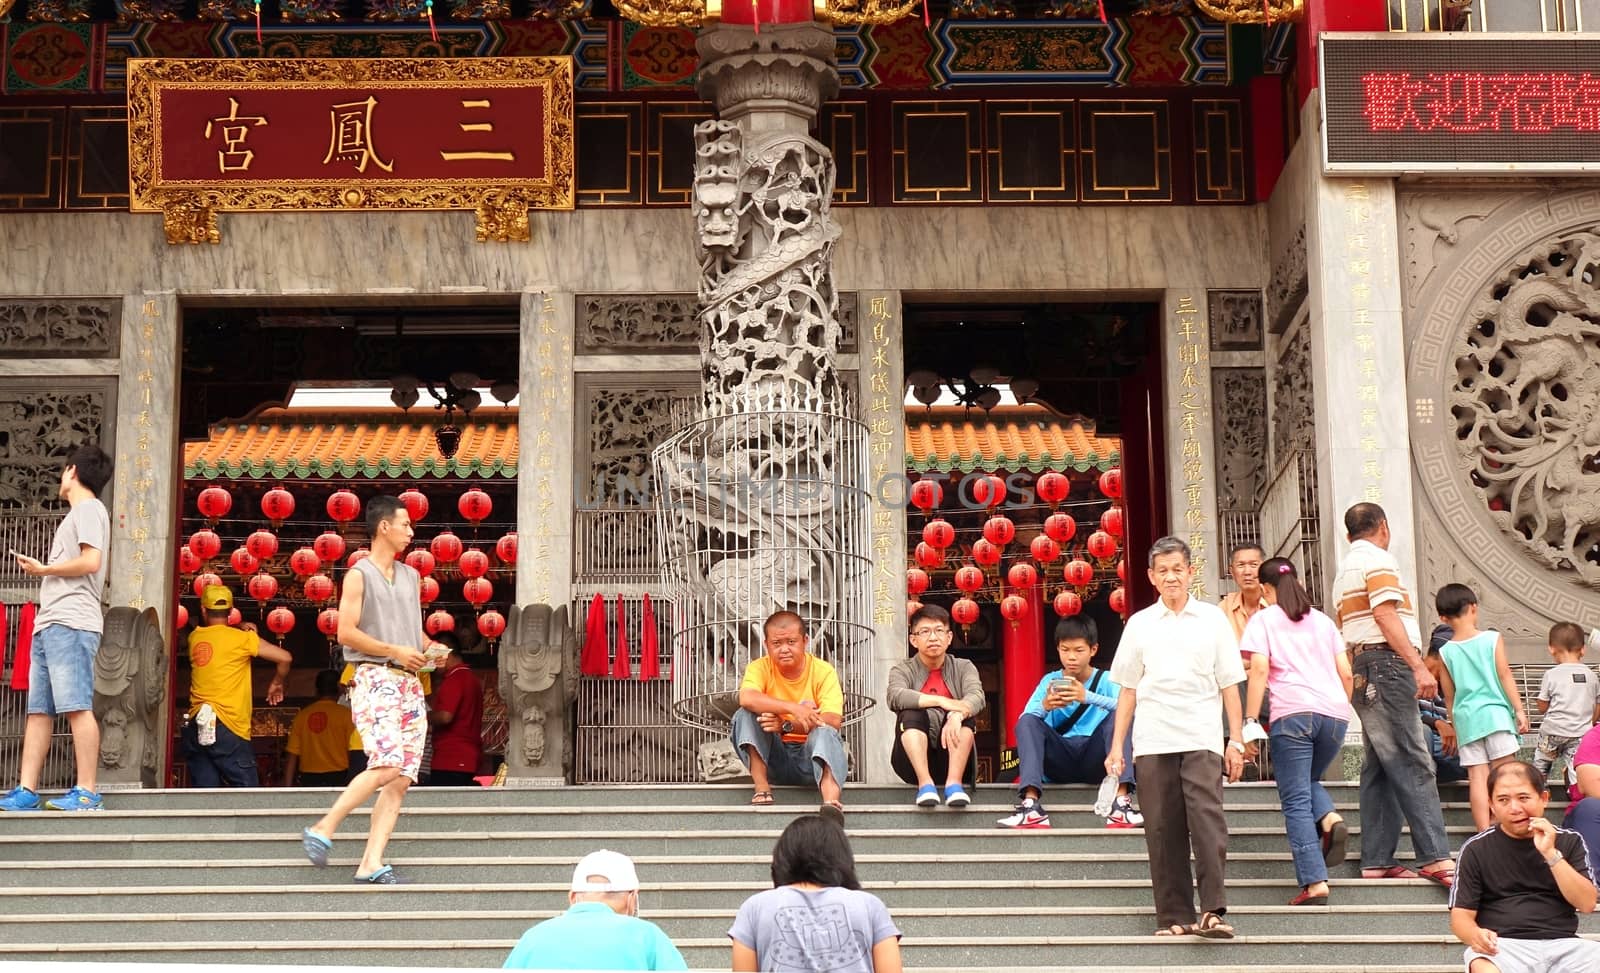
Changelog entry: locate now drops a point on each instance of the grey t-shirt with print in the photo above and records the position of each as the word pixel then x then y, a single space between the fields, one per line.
pixel 76 602
pixel 1571 690
pixel 830 930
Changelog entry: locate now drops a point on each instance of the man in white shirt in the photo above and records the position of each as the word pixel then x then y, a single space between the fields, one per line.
pixel 1179 668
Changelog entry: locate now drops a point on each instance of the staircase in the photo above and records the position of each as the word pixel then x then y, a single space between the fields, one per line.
pixel 218 877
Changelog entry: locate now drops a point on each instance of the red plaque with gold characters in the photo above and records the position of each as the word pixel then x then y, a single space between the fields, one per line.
pixel 492 135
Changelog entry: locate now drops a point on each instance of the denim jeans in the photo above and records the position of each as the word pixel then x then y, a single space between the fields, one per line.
pixel 791 764
pixel 61 670
pixel 1584 818
pixel 229 761
pixel 1042 754
pixel 1398 779
pixel 1302 746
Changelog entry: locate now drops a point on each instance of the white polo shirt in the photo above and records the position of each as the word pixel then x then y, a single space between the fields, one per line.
pixel 1178 662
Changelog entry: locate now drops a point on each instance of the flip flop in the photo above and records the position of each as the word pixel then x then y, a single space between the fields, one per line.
pixel 1306 898
pixel 316 847
pixel 383 876
pixel 1335 842
pixel 1213 926
pixel 1443 877
pixel 1393 871
pixel 761 798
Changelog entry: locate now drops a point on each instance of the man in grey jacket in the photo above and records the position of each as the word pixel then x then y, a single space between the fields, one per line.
pixel 934 696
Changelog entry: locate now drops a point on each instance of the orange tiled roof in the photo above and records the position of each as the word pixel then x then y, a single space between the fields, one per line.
pixel 1017 438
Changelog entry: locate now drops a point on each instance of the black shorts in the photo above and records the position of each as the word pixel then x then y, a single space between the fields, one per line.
pixel 938 759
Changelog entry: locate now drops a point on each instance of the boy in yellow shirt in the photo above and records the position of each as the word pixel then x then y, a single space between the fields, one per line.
pixel 319 739
pixel 216 729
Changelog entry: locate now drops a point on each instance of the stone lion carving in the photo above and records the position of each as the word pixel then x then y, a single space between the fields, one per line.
pixel 538 672
pixel 719 762
pixel 1526 403
pixel 130 688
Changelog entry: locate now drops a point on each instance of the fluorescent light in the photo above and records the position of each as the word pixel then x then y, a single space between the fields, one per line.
pixel 946 397
pixel 368 398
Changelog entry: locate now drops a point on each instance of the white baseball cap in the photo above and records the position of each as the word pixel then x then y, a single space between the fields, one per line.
pixel 615 867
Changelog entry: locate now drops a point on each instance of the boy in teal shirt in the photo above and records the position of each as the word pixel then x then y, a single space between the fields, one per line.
pixel 1480 697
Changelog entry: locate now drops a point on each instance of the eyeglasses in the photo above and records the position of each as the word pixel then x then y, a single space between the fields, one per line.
pixel 931 633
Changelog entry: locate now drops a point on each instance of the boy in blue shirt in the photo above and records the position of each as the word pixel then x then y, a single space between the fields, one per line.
pixel 1065 731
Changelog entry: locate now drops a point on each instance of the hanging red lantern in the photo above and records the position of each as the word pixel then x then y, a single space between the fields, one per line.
pixel 204 581
pixel 234 617
pixel 969 579
pixel 280 620
pixel 328 546
pixel 1102 545
pixel 964 612
pixel 926 494
pixel 1111 522
pixel 181 617
pixel 1013 608
pixel 939 533
pixel 1119 601
pixel 344 506
pixel 929 556
pixel 359 554
pixel 474 563
pixel 416 504
pixel 428 590
pixel 1079 572
pixel 244 562
pixel 421 561
pixel 491 624
pixel 475 505
pixel 1053 488
pixel 214 503
pixel 262 587
pixel 506 548
pixel 999 530
pixel 985 553
pixel 262 545
pixel 989 491
pixel 1022 575
pixel 188 560
pixel 916 581
pixel 277 505
pixel 1044 549
pixel 1122 569
pixel 205 544
pixel 440 621
pixel 1068 603
pixel 319 587
pixel 1060 528
pixel 304 562
pixel 477 591
pixel 328 622
pixel 446 548
pixel 1111 483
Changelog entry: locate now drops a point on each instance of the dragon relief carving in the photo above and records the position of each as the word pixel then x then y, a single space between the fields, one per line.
pixel 538 673
pixel 130 689
pixel 1526 402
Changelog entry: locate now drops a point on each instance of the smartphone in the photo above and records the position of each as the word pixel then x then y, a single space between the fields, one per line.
pixel 16 553
pixel 1062 685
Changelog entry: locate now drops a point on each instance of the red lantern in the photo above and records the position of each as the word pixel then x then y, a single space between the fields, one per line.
pixel 359 554
pixel 421 561
pixel 477 591
pixel 319 587
pixel 491 624
pixel 278 505
pixel 506 548
pixel 182 617
pixel 1079 572
pixel 428 590
pixel 916 581
pixel 1060 528
pixel 990 491
pixel 1102 545
pixel 1111 522
pixel 999 530
pixel 1068 603
pixel 1111 483
pixel 262 587
pixel 214 503
pixel 1119 601
pixel 204 581
pixel 1022 575
pixel 344 506
pixel 1013 608
pixel 440 621
pixel 188 560
pixel 1044 550
pixel 328 622
pixel 205 544
pixel 262 545
pixel 244 562
pixel 929 556
pixel 304 562
pixel 474 563
pixel 475 505
pixel 939 533
pixel 328 546
pixel 416 504
pixel 926 494
pixel 280 620
pixel 234 617
pixel 1053 488
pixel 985 553
pixel 969 579
pixel 446 548
pixel 964 611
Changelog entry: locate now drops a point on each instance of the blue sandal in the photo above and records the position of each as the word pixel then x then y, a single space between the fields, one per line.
pixel 383 876
pixel 316 847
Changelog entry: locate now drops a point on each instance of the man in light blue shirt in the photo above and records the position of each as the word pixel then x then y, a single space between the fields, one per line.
pixel 601 929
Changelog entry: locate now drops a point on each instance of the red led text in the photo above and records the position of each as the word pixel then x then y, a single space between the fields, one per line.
pixel 1473 101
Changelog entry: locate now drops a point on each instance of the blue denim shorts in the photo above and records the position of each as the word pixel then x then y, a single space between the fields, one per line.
pixel 61 670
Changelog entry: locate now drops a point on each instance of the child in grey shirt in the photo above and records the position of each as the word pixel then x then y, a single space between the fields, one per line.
pixel 1569 698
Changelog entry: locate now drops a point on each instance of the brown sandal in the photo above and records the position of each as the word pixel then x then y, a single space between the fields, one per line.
pixel 761 798
pixel 1213 926
pixel 1176 929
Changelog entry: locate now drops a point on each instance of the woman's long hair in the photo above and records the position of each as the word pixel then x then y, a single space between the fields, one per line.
pixel 814 849
pixel 1292 595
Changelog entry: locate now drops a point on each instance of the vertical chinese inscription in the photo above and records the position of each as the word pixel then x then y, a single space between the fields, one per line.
pixel 1190 331
pixel 1358 265
pixel 138 505
pixel 551 345
pixel 881 409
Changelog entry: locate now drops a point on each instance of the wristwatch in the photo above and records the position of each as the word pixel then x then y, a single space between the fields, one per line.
pixel 1553 862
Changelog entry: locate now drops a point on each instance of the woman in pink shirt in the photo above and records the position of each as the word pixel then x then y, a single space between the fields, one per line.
pixel 1297 652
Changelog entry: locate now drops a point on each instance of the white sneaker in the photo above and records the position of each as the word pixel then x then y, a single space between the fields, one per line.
pixel 1123 815
pixel 1029 815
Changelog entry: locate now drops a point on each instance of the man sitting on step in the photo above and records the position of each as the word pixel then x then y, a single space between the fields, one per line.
pixel 1520 885
pixel 601 929
pixel 791 708
pixel 934 696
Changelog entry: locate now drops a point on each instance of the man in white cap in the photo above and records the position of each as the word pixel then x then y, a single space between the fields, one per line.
pixel 601 929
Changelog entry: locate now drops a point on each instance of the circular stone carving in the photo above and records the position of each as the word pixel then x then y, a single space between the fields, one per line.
pixel 1509 345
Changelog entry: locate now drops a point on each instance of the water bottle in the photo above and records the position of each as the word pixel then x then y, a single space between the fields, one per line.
pixel 206 720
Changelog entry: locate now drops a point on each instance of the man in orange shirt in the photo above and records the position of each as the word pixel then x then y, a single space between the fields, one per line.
pixel 791 708
pixel 216 729
pixel 319 739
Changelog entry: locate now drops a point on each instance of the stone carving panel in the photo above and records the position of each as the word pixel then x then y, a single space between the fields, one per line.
pixel 1290 282
pixel 538 673
pixel 1240 399
pixel 40 424
pixel 1235 320
pixel 130 688
pixel 625 424
pixel 1293 407
pixel 60 327
pixel 1433 225
pixel 662 323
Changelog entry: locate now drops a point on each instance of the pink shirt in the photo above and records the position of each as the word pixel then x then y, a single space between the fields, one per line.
pixel 1588 753
pixel 1304 677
